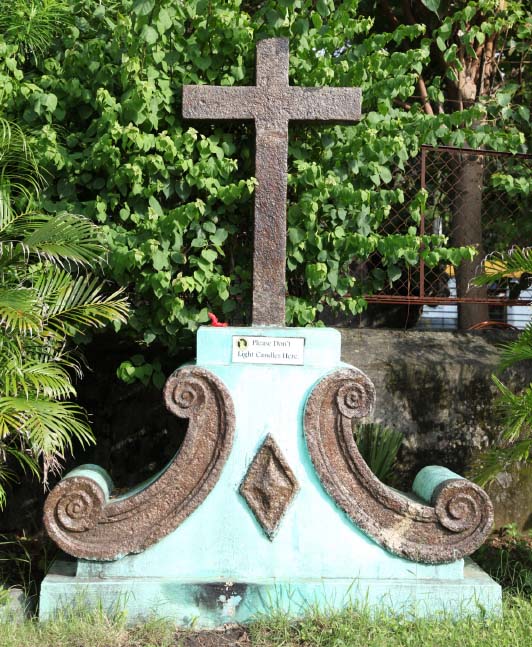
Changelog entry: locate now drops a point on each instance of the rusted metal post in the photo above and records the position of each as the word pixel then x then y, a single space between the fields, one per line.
pixel 271 104
pixel 422 227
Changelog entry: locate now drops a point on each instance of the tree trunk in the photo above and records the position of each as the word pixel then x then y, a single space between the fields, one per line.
pixel 467 230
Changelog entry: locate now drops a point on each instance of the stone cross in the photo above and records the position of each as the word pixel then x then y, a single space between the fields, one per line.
pixel 271 104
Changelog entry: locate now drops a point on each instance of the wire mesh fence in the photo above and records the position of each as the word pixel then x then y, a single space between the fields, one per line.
pixel 474 197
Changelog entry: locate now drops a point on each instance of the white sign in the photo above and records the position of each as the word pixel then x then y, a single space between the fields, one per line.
pixel 268 350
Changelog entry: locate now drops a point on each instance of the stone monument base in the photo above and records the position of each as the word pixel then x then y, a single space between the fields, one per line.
pixel 296 521
pixel 209 604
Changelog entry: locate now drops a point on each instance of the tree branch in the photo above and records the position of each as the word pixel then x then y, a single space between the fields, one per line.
pixel 425 96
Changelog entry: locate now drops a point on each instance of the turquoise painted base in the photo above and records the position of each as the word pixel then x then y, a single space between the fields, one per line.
pixel 220 557
pixel 209 604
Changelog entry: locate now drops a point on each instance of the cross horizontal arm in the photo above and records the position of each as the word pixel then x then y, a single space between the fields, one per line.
pixel 325 104
pixel 218 102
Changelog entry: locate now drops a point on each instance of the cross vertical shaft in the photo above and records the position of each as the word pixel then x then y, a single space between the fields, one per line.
pixel 271 168
pixel 269 252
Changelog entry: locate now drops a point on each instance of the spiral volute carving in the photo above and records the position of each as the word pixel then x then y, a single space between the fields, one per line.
pixel 461 513
pixel 184 397
pixel 460 504
pixel 84 518
pixel 356 398
pixel 77 505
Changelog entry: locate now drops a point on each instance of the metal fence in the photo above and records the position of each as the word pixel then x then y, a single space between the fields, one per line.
pixel 475 197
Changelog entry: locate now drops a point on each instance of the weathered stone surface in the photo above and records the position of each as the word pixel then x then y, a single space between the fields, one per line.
pixel 271 104
pixel 511 493
pixel 436 389
pixel 15 607
pixel 85 521
pixel 461 514
pixel 269 486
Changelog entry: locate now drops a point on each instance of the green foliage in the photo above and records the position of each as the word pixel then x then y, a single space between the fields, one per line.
pixel 480 52
pixel 379 447
pixel 503 264
pixel 515 443
pixel 175 198
pixel 47 296
pixel 32 24
pixel 137 368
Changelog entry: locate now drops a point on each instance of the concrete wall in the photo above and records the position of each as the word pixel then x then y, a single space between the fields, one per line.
pixel 435 387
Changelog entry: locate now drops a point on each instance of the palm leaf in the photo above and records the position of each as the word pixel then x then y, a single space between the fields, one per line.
pixel 37 378
pixel 16 349
pixel 8 258
pixel 516 408
pixel 515 444
pixel 32 24
pixel 503 264
pixel 494 461
pixel 6 475
pixel 19 310
pixel 378 446
pixel 518 350
pixel 6 212
pixel 49 426
pixel 23 458
pixel 73 304
pixel 19 173
pixel 61 239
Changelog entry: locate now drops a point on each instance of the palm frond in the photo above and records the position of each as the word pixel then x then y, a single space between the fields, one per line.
pixel 515 442
pixel 503 264
pixel 23 458
pixel 494 461
pixel 19 310
pixel 62 239
pixel 45 294
pixel 6 211
pixel 41 347
pixel 6 475
pixel 49 426
pixel 378 446
pixel 8 257
pixel 516 409
pixel 19 173
pixel 37 378
pixel 518 350
pixel 73 304
pixel 33 24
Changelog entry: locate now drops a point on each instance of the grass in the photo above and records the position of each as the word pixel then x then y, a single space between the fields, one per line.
pixel 507 557
pixel 359 629
pixel 82 628
pixel 349 628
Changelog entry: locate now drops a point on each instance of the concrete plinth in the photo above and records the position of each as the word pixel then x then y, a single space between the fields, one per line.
pixel 209 603
pixel 222 565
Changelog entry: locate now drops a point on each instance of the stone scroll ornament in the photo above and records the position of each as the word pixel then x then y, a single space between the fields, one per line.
pixel 85 521
pixel 454 525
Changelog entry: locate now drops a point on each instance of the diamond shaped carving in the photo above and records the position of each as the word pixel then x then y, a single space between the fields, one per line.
pixel 269 486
